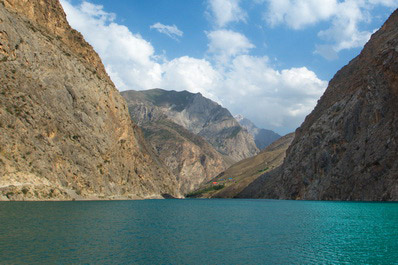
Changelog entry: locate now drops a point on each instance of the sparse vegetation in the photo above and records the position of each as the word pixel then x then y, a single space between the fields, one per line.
pixel 263 170
pixel 205 190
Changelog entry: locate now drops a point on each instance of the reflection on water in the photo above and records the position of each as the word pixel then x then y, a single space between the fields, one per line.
pixel 198 232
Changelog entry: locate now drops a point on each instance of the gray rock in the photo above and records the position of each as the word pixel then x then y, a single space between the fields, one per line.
pixel 197 114
pixel 262 137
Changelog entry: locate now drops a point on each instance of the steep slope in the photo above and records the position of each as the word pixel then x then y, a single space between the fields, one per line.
pixel 240 175
pixel 346 149
pixel 262 137
pixel 65 131
pixel 191 158
pixel 201 116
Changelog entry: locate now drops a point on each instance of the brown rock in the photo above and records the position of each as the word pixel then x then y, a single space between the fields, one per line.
pixel 190 157
pixel 63 125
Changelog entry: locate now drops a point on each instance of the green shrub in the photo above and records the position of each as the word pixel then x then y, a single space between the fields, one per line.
pixel 196 193
pixel 263 170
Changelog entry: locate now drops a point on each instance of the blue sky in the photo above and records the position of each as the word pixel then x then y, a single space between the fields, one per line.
pixel 269 60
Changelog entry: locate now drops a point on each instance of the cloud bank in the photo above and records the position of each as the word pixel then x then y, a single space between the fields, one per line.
pixel 228 74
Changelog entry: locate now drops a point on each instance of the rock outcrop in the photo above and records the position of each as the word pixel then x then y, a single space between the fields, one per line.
pixel 197 114
pixel 237 177
pixel 262 137
pixel 190 157
pixel 65 131
pixel 347 148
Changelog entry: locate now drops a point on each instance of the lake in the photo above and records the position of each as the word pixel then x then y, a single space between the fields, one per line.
pixel 198 232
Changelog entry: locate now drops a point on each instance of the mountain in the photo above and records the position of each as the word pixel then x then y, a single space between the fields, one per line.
pixel 65 131
pixel 171 123
pixel 189 157
pixel 347 148
pixel 262 137
pixel 237 177
pixel 197 114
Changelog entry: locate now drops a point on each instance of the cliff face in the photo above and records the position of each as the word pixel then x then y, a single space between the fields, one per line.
pixel 200 116
pixel 262 137
pixel 191 158
pixel 347 148
pixel 65 129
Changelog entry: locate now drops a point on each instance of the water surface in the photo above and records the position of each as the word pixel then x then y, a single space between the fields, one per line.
pixel 198 232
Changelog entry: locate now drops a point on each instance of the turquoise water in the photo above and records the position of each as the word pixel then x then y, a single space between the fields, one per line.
pixel 198 232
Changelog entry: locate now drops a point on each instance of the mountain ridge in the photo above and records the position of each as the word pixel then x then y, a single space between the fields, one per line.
pixel 262 137
pixel 199 115
pixel 173 122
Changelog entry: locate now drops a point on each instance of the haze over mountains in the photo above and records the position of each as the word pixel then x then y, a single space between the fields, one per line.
pixel 262 137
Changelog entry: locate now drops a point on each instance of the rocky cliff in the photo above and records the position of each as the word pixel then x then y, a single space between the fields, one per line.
pixel 262 137
pixel 190 157
pixel 65 131
pixel 200 116
pixel 347 148
pixel 237 177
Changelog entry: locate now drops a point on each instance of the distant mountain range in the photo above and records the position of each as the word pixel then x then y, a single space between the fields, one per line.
pixel 194 136
pixel 262 137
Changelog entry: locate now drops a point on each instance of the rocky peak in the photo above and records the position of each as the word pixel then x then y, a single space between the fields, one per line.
pixel 190 157
pixel 197 114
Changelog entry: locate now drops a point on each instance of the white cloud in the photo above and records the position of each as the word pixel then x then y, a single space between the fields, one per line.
pixel 128 58
pixel 171 31
pixel 244 84
pixel 298 14
pixel 194 75
pixel 272 99
pixel 224 44
pixel 226 11
pixel 389 3
pixel 344 32
pixel 345 16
